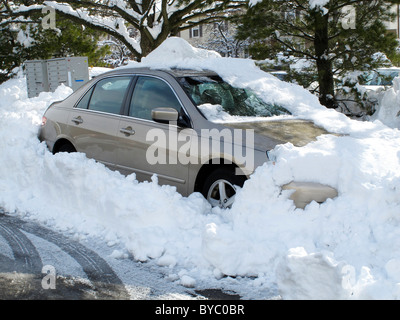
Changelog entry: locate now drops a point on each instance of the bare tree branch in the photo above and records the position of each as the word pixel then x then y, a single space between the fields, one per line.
pixel 155 20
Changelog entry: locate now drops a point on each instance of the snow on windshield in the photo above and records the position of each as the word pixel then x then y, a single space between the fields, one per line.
pixel 219 101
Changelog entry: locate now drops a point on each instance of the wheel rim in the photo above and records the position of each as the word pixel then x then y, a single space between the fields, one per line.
pixel 221 194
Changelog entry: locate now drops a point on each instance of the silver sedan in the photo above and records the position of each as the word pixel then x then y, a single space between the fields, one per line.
pixel 159 122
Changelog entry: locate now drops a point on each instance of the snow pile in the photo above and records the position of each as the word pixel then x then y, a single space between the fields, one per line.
pixel 388 109
pixel 177 50
pixel 346 248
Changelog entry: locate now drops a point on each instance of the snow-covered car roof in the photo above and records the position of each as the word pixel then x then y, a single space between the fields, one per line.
pixel 176 72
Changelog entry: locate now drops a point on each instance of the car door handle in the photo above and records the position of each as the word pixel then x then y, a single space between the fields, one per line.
pixel 77 120
pixel 127 131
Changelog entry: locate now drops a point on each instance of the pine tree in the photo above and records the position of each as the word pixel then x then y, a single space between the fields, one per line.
pixel 337 36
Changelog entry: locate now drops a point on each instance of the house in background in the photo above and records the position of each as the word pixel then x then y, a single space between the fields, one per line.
pixel 217 36
pixel 394 26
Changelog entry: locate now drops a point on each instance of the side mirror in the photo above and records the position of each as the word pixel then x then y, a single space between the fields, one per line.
pixel 164 114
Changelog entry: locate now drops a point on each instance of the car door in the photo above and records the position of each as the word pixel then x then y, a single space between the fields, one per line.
pixel 146 147
pixel 95 119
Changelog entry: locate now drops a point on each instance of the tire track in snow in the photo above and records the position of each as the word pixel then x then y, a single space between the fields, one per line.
pixel 27 259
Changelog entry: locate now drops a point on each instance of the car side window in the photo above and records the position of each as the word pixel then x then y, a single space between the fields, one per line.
pixel 108 94
pixel 151 93
pixel 83 104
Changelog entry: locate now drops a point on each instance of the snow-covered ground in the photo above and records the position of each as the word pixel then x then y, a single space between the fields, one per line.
pixel 346 248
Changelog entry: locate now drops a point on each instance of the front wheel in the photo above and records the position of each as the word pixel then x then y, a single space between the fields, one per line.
pixel 220 187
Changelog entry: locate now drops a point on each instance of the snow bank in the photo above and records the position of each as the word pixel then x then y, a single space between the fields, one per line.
pixel 388 109
pixel 346 248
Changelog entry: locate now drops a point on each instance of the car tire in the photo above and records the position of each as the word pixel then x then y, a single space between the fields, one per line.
pixel 220 187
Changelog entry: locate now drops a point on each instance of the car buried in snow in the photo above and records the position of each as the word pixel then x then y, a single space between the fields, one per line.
pixel 159 122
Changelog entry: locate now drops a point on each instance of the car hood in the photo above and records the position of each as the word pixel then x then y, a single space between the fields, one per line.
pixel 297 132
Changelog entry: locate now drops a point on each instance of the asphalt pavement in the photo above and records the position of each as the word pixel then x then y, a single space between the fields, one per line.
pixel 27 271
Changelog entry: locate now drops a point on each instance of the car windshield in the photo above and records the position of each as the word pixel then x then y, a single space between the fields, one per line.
pixel 214 96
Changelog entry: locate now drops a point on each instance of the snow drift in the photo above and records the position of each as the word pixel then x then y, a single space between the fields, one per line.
pixel 388 110
pixel 346 248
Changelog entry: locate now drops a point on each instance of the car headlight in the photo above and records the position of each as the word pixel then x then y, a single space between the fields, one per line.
pixel 306 192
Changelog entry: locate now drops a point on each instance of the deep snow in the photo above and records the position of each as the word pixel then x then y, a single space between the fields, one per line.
pixel 346 248
pixel 388 109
